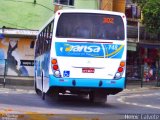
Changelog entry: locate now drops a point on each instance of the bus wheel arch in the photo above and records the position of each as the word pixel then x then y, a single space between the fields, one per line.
pixel 36 89
pixel 35 85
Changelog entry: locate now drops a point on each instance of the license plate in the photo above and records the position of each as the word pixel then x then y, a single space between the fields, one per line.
pixel 88 70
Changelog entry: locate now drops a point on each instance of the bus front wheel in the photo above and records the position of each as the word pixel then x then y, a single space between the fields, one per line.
pixel 36 89
pixel 43 93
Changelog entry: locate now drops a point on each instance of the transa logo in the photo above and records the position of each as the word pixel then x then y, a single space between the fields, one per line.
pixel 78 50
pixel 82 48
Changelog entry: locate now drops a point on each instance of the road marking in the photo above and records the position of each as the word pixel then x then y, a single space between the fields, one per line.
pixel 17 91
pixel 40 116
pixel 8 114
pixel 122 99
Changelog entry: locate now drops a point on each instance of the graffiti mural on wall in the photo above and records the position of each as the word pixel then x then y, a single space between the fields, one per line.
pixel 19 53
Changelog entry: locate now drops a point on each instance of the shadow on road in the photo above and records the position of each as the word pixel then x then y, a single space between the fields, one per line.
pixel 64 101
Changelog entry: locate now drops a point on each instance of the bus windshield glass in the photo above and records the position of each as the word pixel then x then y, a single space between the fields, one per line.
pixel 90 26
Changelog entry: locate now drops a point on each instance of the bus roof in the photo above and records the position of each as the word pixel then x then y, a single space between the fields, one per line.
pixel 89 11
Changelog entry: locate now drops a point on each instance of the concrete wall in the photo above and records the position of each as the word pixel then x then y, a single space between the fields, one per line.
pixel 113 5
pixel 79 4
pixel 86 4
pixel 119 5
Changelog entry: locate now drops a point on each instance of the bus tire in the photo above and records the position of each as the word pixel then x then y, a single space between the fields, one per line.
pixel 43 93
pixel 95 97
pixel 91 97
pixel 55 95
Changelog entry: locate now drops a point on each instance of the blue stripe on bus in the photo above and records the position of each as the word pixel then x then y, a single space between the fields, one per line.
pixel 81 82
pixel 93 50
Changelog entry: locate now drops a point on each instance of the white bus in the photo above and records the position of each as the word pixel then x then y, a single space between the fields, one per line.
pixel 82 52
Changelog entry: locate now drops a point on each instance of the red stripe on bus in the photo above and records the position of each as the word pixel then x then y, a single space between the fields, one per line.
pixel 88 41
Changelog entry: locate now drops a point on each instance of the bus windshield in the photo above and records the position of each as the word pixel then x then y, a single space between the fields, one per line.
pixel 90 26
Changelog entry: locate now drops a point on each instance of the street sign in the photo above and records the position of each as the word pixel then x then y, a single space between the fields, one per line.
pixel 1 36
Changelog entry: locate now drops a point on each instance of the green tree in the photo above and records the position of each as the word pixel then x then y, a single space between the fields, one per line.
pixel 141 3
pixel 151 14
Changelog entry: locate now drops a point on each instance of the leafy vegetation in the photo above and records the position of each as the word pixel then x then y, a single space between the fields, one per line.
pixel 151 14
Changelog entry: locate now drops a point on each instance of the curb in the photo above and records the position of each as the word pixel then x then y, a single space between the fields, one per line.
pixel 139 89
pixel 18 81
pixel 18 89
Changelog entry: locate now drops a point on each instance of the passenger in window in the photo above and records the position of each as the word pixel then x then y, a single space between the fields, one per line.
pixel 118 33
pixel 82 30
pixel 103 31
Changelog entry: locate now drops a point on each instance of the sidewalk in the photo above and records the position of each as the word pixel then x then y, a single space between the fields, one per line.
pixel 17 81
pixel 129 88
pixel 138 87
pixel 132 87
pixel 27 83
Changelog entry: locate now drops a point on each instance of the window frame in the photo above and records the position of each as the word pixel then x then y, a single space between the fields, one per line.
pixel 58 2
pixel 44 39
pixel 117 33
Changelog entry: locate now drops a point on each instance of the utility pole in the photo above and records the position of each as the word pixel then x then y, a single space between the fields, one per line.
pixel 34 2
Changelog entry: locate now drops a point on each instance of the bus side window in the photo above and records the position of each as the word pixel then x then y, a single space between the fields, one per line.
pixel 50 32
pixel 37 47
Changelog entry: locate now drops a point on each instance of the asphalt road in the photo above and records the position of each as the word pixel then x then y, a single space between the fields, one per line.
pixel 27 102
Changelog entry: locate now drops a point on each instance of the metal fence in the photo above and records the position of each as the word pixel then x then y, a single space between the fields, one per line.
pixel 136 75
pixel 144 35
pixel 3 71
